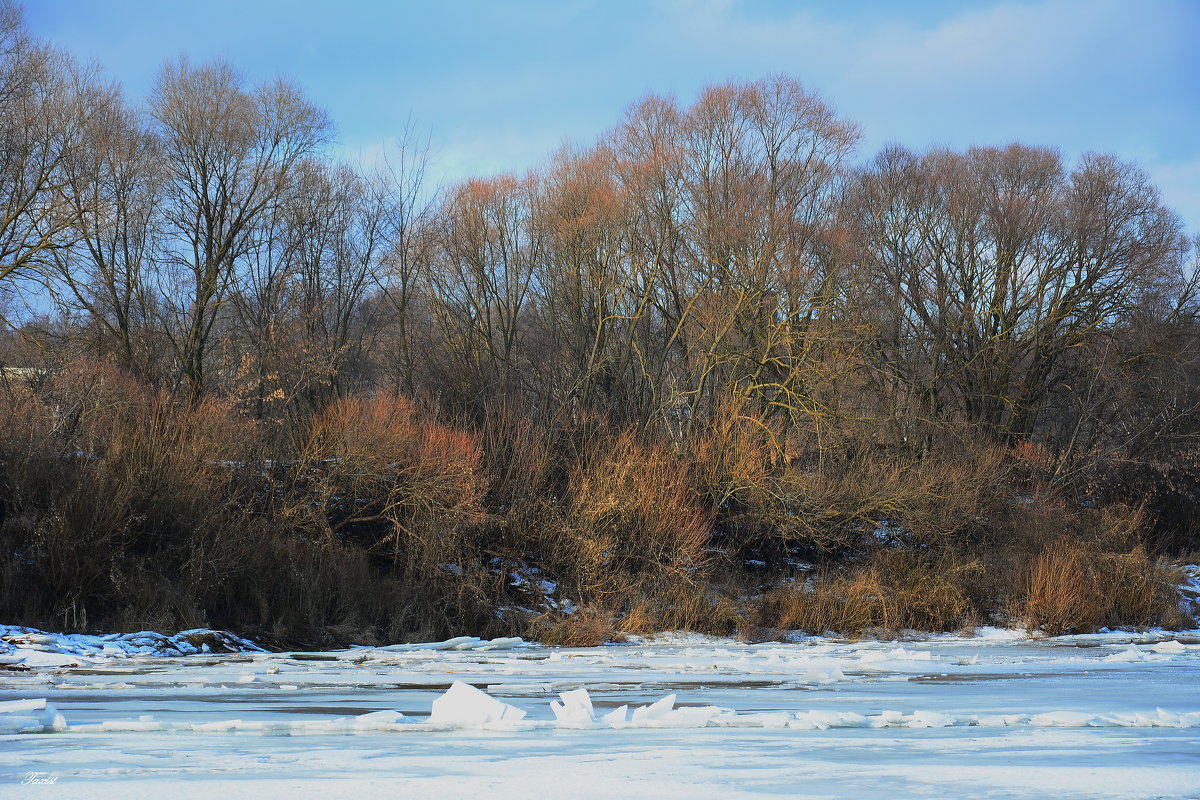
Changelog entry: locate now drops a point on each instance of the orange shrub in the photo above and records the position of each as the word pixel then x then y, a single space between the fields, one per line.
pixel 380 468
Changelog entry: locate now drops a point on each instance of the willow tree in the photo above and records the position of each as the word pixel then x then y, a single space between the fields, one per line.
pixel 729 203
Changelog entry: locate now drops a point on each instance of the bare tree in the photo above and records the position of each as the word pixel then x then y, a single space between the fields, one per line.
pixel 113 186
pixel 342 229
pixel 729 202
pixel 987 269
pixel 481 280
pixel 46 105
pixel 583 284
pixel 229 155
pixel 409 225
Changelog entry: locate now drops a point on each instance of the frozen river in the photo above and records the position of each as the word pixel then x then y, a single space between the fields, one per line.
pixel 995 715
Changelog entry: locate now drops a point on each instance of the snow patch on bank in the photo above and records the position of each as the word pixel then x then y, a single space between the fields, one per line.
pixel 39 648
pixel 29 647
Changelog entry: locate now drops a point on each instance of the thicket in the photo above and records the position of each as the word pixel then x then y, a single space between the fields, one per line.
pixel 708 373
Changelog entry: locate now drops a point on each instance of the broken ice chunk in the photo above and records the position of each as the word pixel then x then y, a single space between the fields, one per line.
pixel 1062 719
pixel 30 716
pixel 698 716
pixel 615 717
pixel 931 719
pixel 379 720
pixel 501 644
pixel 821 720
pixel 656 710
pixel 575 708
pixel 464 706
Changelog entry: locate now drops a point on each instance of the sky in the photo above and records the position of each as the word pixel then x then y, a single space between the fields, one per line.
pixel 498 85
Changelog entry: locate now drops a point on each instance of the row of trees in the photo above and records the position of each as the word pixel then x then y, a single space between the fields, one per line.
pixel 325 402
pixel 727 258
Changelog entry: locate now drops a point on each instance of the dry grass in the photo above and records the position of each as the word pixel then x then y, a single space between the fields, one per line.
pixel 1069 586
pixel 895 591
pixel 585 628
pixel 1072 588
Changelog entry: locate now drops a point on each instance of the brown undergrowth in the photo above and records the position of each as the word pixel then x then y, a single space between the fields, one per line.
pixel 123 509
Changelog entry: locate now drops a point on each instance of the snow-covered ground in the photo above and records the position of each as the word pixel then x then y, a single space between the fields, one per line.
pixel 997 714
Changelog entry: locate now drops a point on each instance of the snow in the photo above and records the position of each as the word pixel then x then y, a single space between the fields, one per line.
pixel 1125 656
pixel 999 714
pixel 459 643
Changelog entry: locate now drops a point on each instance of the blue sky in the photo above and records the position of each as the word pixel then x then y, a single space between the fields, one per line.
pixel 499 85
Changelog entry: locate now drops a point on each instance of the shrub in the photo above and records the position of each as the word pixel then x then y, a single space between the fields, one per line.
pixel 840 502
pixel 378 471
pixel 105 481
pixel 122 508
pixel 735 460
pixel 633 520
pixel 585 628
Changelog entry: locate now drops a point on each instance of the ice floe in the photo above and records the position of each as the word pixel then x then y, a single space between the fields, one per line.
pixel 767 718
pixel 575 708
pixel 463 706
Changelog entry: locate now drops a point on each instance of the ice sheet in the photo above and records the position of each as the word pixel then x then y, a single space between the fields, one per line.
pixel 999 714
